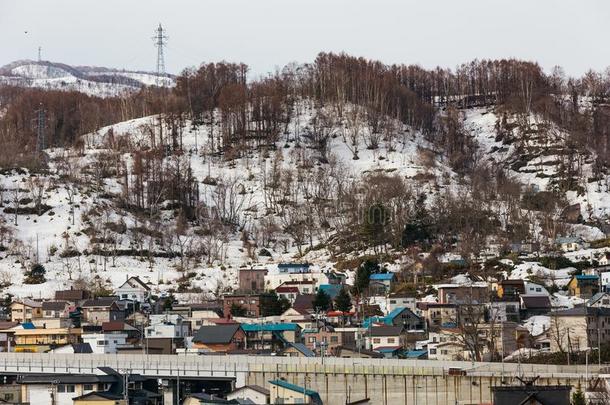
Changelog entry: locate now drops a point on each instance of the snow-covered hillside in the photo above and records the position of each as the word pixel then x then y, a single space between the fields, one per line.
pixel 85 211
pixel 101 82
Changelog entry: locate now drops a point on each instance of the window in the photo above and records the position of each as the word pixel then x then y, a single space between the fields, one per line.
pixel 66 388
pixel 432 351
pixel 334 339
pixel 88 387
pixel 376 340
pixel 70 388
pixel 391 340
pixel 102 342
pixel 538 289
pixel 443 351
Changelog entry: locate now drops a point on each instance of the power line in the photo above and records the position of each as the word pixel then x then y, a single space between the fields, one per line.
pixel 160 42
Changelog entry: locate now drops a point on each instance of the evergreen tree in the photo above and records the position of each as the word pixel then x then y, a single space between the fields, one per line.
pixel 363 275
pixel 578 398
pixel 417 230
pixel 343 301
pixel 238 310
pixel 36 275
pixel 321 301
pixel 272 304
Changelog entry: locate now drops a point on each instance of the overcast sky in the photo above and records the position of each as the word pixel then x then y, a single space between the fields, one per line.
pixel 270 33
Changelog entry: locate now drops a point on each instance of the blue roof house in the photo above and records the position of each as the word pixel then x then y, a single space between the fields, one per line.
pixel 381 283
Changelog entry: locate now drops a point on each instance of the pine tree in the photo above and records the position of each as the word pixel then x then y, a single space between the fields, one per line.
pixel 237 310
pixel 363 276
pixel 343 301
pixel 321 301
pixel 272 304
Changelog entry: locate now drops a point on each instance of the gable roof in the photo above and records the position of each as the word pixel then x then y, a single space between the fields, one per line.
pixel 135 282
pixel 301 390
pixel 598 296
pixel 71 295
pixel 28 303
pixel 301 348
pixel 102 395
pixel 382 331
pixel 536 301
pixel 382 277
pixel 303 302
pixel 54 305
pixel 270 327
pixel 216 334
pixel 254 387
pixel 100 302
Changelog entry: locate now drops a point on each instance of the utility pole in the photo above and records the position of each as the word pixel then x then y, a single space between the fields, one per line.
pixel 40 54
pixel 160 41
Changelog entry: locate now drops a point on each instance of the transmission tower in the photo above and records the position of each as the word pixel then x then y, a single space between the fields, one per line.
pixel 160 41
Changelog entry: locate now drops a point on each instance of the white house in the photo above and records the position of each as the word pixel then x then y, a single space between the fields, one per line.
pixel 103 343
pixel 535 289
pixel 274 280
pixel 133 289
pixel 254 393
pixel 167 326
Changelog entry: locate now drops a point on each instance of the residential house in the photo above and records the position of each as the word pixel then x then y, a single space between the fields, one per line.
pixel 298 350
pixel 293 268
pixel 41 340
pixel 381 283
pixel 436 314
pixel 532 394
pixel 25 310
pixel 166 326
pixel 402 317
pixel 102 309
pixel 219 338
pixel 532 305
pixel 328 339
pixel 74 296
pixel 250 304
pixel 271 336
pixel 252 281
pixel 463 294
pixel 605 280
pixel 303 286
pixel 579 328
pixel 288 292
pixel 385 337
pixel 253 393
pixel 394 301
pixel 599 300
pixel 303 303
pixel 105 342
pixel 332 290
pixel 55 309
pixel 534 289
pixel 583 286
pixel 283 392
pixel 61 389
pixel 356 352
pixel 570 243
pixel 133 289
pixel 502 310
pixel 510 288
pixel 100 398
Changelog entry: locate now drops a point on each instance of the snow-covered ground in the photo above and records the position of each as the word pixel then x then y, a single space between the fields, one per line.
pixel 51 76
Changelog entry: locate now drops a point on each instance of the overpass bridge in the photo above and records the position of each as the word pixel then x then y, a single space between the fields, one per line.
pixel 384 381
